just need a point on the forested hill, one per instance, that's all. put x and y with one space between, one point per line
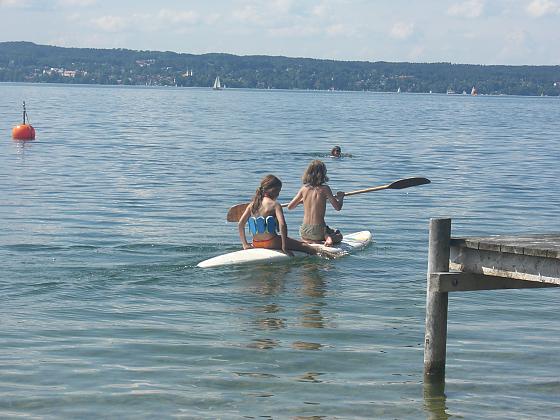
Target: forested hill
29 62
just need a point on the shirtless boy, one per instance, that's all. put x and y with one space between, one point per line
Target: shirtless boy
314 195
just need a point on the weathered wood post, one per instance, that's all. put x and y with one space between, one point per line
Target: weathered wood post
436 302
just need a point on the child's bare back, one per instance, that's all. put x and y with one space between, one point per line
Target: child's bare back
314 195
314 203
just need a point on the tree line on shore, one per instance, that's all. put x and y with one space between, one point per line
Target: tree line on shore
29 62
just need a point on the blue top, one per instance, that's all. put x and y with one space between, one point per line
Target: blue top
263 225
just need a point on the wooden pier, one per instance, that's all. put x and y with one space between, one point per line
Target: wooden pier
488 263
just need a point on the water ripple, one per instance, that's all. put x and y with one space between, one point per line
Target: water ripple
105 216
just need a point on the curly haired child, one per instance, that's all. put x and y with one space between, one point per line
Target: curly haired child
314 195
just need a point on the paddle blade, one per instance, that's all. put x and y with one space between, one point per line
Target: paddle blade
408 182
235 212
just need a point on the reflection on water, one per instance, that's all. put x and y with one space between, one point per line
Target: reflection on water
255 375
435 401
313 281
271 323
278 281
309 417
310 377
272 281
263 344
303 345
21 146
313 286
101 230
312 318
268 280
270 308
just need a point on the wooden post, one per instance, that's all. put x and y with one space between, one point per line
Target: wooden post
436 303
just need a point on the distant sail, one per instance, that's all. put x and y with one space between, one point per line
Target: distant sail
217 84
473 91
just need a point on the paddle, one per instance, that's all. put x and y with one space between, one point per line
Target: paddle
235 212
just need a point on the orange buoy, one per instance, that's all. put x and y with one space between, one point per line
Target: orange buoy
23 131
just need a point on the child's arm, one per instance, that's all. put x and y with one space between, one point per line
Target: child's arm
297 200
241 227
283 229
337 201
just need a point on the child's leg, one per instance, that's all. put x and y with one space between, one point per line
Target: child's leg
332 237
295 245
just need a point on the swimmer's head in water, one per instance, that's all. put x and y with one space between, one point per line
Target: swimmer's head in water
335 151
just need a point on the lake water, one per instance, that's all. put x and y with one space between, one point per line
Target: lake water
104 217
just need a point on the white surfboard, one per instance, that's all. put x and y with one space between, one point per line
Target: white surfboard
350 243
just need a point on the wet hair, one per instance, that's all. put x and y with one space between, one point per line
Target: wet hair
269 185
315 174
335 149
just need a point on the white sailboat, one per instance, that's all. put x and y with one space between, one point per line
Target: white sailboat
217 84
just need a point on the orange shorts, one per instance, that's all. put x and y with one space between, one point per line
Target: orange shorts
267 243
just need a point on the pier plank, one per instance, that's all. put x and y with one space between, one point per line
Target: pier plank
540 245
467 282
528 257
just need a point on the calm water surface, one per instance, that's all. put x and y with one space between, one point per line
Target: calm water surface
104 217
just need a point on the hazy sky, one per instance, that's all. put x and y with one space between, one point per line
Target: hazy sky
457 31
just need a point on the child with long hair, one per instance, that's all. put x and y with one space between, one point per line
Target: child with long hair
314 195
266 218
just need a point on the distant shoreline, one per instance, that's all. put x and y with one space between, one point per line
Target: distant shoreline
29 62
326 91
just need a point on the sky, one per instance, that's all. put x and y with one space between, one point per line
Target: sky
513 32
